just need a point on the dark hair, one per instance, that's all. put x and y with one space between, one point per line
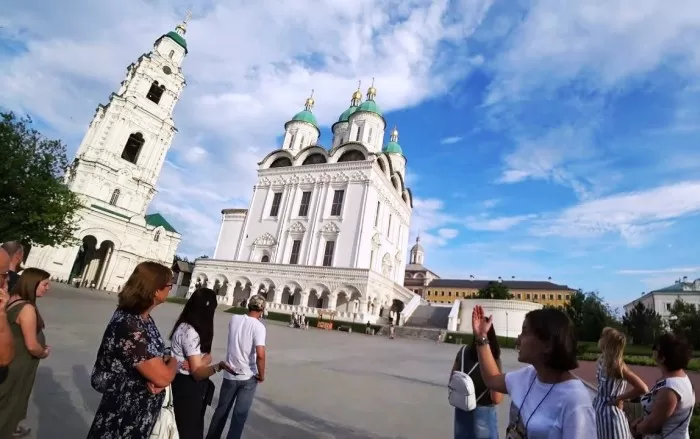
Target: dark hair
674 351
493 344
555 328
140 289
199 313
12 247
26 287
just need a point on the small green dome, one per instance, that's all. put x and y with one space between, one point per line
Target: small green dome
347 113
370 106
393 148
179 39
306 116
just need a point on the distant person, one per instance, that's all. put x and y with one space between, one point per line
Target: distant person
668 407
131 369
547 401
368 328
246 358
191 340
613 376
16 251
7 344
482 422
27 327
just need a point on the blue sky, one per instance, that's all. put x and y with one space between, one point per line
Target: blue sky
543 139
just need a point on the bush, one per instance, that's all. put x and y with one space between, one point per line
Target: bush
639 360
694 428
313 321
631 350
180 300
464 338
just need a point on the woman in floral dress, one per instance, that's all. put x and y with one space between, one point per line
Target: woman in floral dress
131 369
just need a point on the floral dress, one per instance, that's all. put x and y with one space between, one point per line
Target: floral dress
127 409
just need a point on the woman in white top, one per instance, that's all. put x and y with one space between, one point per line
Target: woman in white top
668 407
547 401
191 340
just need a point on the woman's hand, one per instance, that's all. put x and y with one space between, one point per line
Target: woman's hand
153 388
224 366
480 323
47 352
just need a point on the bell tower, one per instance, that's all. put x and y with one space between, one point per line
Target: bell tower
122 153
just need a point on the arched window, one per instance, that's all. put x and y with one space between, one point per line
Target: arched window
156 237
381 165
369 137
132 149
357 138
170 55
281 162
301 144
155 92
115 197
352 156
265 258
314 159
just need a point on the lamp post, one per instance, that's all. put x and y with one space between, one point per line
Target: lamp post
507 334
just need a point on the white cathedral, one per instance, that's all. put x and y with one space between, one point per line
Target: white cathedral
326 229
115 171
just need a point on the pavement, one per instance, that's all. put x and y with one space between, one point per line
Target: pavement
320 384
649 374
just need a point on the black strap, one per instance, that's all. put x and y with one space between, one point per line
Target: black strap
692 407
522 404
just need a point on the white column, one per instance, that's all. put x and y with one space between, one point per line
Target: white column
317 194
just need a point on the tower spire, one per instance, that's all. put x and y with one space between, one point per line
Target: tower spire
395 138
309 104
181 28
371 91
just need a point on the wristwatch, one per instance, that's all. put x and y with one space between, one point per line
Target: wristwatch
481 341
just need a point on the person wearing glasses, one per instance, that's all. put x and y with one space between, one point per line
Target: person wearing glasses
132 368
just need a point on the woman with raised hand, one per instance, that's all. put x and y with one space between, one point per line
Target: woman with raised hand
547 401
613 376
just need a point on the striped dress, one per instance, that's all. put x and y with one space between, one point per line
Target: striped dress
611 422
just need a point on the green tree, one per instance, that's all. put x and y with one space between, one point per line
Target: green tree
494 290
38 208
590 315
180 258
685 320
203 257
642 324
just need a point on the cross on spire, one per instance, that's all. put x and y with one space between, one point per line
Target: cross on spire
188 15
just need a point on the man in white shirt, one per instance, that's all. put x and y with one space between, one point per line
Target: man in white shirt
246 358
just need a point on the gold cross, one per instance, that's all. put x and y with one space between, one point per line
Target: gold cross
359 84
188 15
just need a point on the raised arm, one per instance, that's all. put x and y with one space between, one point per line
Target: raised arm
493 378
639 387
497 397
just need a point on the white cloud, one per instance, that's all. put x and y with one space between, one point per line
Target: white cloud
671 270
240 90
448 233
429 220
631 215
488 204
497 224
451 140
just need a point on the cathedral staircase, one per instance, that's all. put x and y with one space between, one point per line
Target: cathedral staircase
429 317
430 334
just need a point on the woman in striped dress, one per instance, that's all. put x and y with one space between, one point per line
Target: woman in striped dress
613 376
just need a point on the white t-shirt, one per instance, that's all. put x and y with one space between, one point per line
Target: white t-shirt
185 343
565 411
245 333
676 427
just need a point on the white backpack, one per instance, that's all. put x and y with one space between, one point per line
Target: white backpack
461 393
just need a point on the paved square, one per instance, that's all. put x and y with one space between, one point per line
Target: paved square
320 384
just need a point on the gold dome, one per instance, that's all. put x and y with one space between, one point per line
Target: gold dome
357 94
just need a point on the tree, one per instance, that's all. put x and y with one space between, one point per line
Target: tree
643 324
38 208
203 257
494 290
685 320
180 258
590 315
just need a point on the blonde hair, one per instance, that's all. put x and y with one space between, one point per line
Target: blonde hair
612 346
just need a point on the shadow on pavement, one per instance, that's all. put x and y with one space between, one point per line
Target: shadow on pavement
91 398
299 425
56 411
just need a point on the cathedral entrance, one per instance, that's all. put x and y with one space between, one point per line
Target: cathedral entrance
91 264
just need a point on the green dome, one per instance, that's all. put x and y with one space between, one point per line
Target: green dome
393 148
179 39
306 116
370 106
346 114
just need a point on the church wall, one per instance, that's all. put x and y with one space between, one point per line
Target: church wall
229 235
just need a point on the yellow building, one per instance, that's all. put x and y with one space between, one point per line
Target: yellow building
544 292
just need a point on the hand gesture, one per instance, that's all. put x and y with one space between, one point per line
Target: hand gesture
153 388
480 323
224 366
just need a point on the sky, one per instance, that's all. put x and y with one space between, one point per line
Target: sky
544 138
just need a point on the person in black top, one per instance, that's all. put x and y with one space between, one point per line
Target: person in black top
482 422
16 252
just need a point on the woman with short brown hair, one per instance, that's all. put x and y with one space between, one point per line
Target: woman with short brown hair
131 369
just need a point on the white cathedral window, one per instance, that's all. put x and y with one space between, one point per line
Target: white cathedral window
156 237
357 138
115 197
170 55
369 137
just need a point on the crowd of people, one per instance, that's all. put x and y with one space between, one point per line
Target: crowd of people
152 388
549 402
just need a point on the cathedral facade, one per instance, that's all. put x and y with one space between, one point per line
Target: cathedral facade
115 172
326 228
